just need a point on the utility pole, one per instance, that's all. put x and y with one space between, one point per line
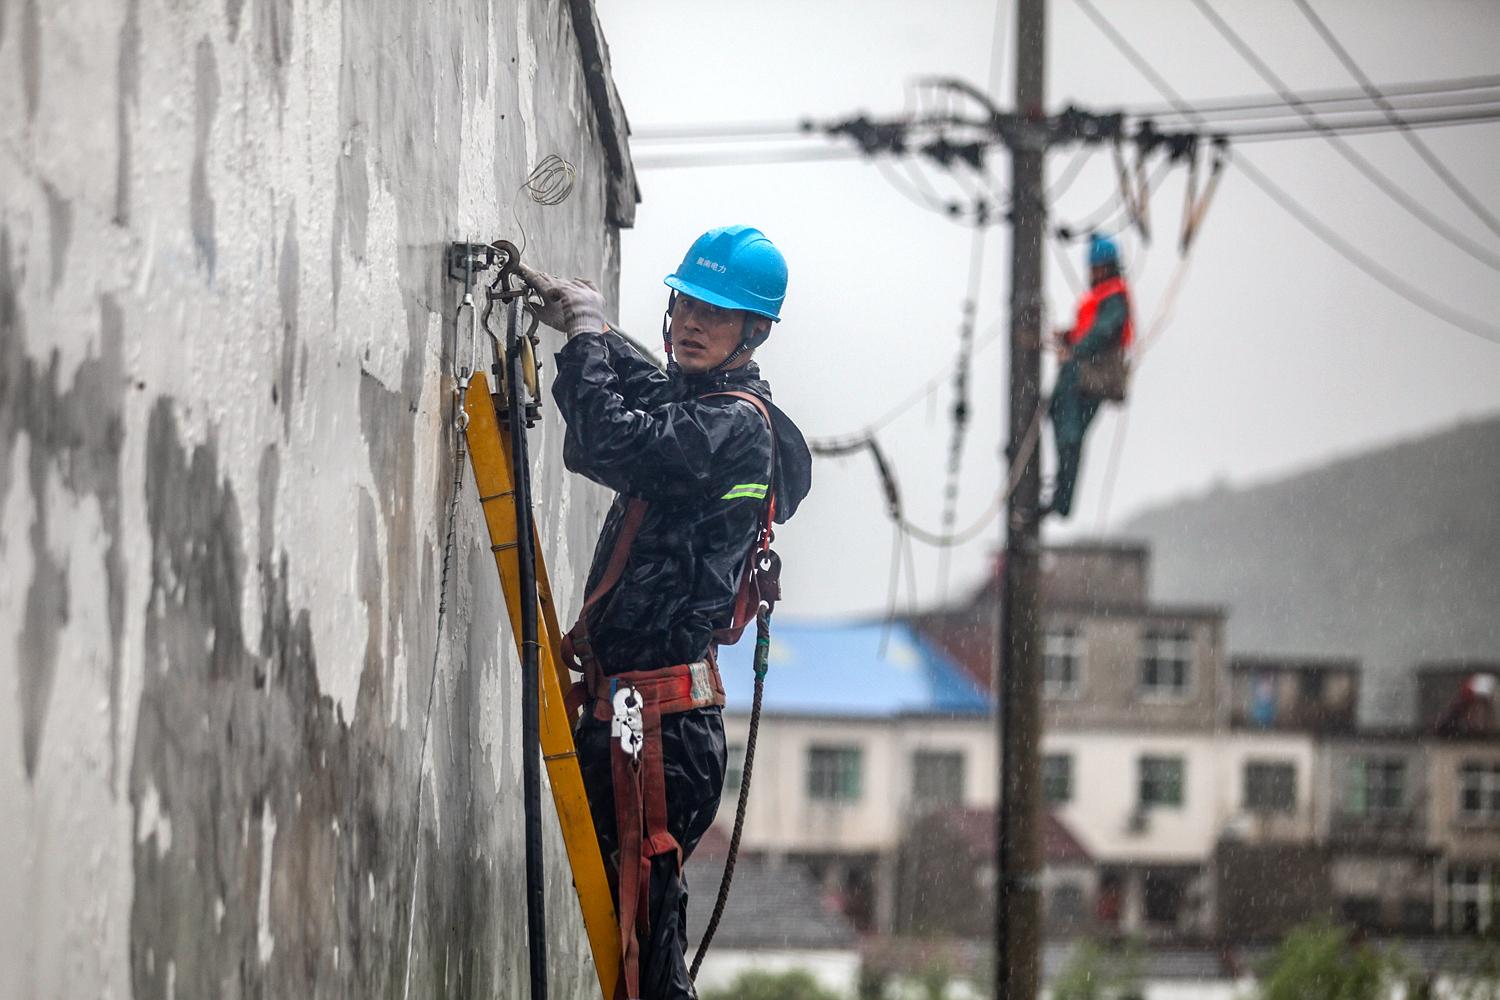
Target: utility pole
1017 902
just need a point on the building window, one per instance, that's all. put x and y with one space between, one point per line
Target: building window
1377 785
833 774
1165 893
1310 686
1166 663
734 771
1161 781
1062 662
1473 897
1270 786
1057 778
937 777
1479 791
1067 906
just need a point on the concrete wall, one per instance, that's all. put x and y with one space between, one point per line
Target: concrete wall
782 818
1460 837
1109 693
1106 792
225 456
1235 751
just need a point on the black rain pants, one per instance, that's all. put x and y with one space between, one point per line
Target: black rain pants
694 757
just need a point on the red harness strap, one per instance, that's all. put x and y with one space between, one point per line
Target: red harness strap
640 783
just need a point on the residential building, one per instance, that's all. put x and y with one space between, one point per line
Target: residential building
1177 782
864 726
1381 863
1463 768
1315 694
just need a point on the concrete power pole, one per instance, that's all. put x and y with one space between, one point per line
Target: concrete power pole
1018 905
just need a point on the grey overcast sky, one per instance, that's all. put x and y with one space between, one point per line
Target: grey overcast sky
1280 354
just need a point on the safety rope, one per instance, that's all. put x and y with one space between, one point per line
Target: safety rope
460 421
762 658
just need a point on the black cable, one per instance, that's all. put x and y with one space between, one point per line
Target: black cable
960 411
1108 216
1295 208
531 752
1415 141
1393 190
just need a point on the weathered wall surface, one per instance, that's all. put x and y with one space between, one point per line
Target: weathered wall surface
226 452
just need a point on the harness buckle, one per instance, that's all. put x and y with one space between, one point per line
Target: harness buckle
628 724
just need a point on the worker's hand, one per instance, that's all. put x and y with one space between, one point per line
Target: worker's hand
1064 353
571 305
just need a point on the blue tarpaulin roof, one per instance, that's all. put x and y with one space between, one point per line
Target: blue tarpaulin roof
833 668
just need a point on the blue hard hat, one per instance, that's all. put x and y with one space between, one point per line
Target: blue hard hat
734 267
1102 250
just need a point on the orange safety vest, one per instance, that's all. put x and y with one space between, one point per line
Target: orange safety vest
1088 307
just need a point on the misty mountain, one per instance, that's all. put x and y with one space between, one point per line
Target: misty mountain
1391 555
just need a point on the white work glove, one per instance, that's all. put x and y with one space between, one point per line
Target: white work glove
571 305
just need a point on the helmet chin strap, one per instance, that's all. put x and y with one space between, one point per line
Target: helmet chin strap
747 333
666 335
748 342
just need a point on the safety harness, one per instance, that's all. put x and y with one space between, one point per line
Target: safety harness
635 702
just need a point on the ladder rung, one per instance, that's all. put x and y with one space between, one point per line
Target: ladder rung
503 546
549 757
497 496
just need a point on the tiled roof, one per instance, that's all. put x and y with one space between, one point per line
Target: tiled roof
772 904
976 828
851 669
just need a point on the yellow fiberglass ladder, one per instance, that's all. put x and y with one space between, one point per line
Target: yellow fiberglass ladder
491 429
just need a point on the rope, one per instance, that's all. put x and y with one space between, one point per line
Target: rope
973 531
448 547
762 656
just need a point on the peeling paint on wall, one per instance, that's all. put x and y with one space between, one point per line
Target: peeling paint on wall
240 754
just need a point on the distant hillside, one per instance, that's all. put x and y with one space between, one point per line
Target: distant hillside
1392 555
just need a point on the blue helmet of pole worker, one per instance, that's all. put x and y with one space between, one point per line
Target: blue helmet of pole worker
734 267
1102 251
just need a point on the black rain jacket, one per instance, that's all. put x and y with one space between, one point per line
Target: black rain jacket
696 462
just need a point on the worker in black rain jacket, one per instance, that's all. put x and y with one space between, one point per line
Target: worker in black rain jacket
701 463
1093 367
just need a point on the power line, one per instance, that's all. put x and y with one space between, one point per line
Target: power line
1417 95
1422 94
670 161
1272 132
1296 209
1365 126
1358 161
1415 141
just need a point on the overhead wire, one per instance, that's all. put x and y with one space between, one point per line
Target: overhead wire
1209 108
1361 163
1292 206
960 409
1416 95
1370 125
1383 102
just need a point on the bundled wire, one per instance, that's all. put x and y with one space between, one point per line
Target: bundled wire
550 181
960 411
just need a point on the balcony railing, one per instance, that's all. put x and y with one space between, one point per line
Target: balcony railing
1403 827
